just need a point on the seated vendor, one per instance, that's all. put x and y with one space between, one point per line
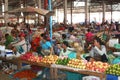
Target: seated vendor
8 40
66 51
98 50
46 46
21 45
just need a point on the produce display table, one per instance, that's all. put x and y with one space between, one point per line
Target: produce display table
39 64
13 60
86 72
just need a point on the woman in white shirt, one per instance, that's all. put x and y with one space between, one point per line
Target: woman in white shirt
21 45
66 51
98 51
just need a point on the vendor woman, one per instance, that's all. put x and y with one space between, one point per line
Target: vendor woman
98 50
66 51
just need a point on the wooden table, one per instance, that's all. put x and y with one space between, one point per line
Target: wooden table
19 62
41 65
13 60
86 72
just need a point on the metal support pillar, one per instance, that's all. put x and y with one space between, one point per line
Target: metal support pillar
111 12
71 12
39 6
18 18
25 16
50 19
6 14
89 14
86 12
45 18
65 12
56 14
104 10
45 4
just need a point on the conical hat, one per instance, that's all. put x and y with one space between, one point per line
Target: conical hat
102 36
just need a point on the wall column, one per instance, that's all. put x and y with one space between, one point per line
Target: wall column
65 12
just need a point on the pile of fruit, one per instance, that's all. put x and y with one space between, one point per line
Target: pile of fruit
26 56
114 70
30 57
51 59
76 63
97 66
35 58
63 61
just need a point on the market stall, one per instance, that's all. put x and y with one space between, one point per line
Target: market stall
54 64
80 71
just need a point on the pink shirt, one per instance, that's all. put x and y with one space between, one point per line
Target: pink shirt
89 36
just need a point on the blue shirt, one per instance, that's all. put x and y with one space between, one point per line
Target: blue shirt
46 45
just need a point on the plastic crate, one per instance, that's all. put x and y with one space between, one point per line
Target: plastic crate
74 76
111 77
119 78
90 78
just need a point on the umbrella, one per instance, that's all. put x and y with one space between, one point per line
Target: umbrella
30 9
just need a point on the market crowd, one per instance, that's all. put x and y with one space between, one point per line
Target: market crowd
88 42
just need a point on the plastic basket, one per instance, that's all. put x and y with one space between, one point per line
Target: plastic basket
111 77
117 46
90 78
74 76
